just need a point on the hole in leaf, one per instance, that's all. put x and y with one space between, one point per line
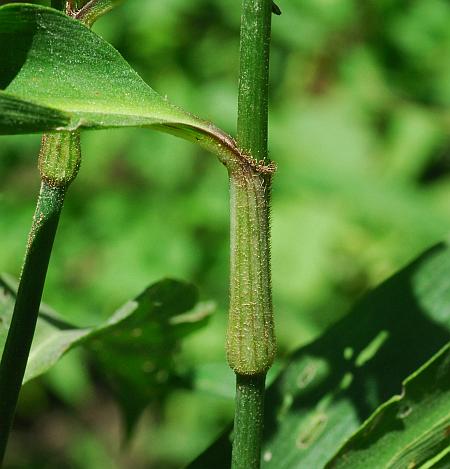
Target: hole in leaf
372 348
312 430
404 411
307 375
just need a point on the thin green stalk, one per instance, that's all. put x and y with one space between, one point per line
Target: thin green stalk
251 339
93 9
253 98
58 163
249 421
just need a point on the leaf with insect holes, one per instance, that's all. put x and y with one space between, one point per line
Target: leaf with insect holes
331 386
57 74
133 350
411 429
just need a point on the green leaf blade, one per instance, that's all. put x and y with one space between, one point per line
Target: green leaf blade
81 73
56 62
19 116
408 430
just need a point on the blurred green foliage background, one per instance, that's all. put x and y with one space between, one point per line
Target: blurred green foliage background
359 127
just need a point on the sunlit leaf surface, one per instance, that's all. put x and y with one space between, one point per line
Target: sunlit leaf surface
61 75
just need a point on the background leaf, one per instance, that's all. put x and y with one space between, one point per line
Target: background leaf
133 349
410 429
333 384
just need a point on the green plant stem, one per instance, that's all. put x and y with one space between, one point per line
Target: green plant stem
248 424
94 9
21 331
251 340
249 421
254 77
58 163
